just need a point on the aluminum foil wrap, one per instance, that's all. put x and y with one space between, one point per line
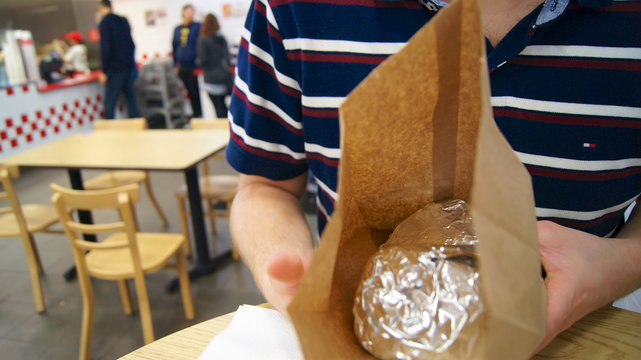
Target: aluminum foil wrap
415 301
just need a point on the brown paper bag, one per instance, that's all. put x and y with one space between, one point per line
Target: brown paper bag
418 130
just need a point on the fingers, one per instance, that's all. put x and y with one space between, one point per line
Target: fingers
286 271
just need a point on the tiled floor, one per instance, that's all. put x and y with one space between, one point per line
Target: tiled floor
25 334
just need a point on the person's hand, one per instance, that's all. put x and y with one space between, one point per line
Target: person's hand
583 273
176 71
102 78
285 271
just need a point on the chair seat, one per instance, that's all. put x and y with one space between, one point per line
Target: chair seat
38 218
112 179
155 251
214 186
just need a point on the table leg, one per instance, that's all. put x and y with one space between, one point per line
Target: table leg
205 265
197 221
75 178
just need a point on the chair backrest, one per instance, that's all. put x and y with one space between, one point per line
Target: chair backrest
122 124
210 124
120 198
7 174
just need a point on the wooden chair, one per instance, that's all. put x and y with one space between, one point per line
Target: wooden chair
125 254
22 222
213 188
117 178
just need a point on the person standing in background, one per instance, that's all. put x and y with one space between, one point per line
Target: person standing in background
118 66
213 55
75 57
184 53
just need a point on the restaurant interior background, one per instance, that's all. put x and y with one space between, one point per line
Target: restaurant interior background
152 21
36 111
32 114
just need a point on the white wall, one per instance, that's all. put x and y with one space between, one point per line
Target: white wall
154 40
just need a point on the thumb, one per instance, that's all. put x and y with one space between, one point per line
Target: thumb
286 271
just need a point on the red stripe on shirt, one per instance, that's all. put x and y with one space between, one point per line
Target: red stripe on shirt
320 113
324 159
262 153
578 63
264 112
264 66
337 58
258 6
268 68
583 175
274 33
578 224
566 119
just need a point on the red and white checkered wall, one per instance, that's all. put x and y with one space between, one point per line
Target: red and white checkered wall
29 118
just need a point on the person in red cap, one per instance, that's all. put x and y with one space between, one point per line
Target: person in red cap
76 57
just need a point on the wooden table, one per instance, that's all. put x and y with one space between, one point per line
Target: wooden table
178 150
609 333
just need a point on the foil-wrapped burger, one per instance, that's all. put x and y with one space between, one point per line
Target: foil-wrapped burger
420 292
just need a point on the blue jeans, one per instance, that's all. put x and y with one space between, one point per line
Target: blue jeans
120 82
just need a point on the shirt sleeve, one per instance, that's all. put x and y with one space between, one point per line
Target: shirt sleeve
265 112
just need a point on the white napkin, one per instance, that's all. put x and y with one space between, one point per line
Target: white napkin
255 333
631 302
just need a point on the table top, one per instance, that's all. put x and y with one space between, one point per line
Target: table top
609 333
143 150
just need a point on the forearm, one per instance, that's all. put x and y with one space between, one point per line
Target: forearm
266 220
629 249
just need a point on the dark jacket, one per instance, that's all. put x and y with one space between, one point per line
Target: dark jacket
184 44
116 45
213 56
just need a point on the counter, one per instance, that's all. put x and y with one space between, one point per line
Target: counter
31 116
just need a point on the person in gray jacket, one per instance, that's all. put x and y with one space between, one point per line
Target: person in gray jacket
213 55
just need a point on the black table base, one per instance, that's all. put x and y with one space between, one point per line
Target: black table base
202 270
205 265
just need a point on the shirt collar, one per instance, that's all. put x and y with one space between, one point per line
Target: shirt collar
552 9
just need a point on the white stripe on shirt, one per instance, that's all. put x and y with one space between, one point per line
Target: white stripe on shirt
321 208
327 190
578 165
581 215
270 14
266 104
322 101
583 51
268 59
263 145
330 153
353 47
566 108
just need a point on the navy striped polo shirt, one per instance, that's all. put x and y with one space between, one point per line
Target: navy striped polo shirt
566 92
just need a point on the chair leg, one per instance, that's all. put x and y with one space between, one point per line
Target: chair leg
145 311
183 223
35 269
185 285
125 296
155 202
88 301
37 255
211 214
